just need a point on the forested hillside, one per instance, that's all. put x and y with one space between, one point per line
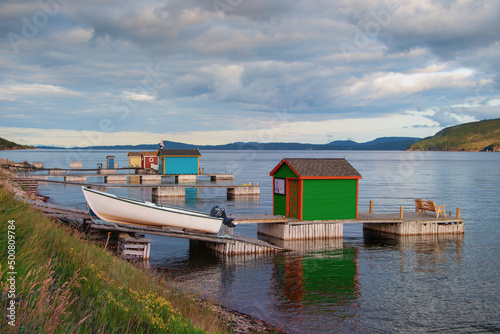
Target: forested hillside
10 145
476 136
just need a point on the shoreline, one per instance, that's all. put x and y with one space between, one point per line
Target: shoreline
239 322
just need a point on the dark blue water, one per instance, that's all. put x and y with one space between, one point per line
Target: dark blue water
362 283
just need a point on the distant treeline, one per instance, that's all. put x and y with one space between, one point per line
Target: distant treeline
476 136
385 143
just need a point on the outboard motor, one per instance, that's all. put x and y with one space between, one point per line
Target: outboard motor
221 213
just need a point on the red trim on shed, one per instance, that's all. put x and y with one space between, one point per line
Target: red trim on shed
330 177
357 197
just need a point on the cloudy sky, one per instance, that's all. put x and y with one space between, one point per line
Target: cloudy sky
106 72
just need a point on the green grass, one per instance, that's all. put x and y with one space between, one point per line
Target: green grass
65 284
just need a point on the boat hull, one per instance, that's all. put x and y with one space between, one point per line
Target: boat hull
123 210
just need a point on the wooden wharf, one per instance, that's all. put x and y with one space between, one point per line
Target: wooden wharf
30 185
223 243
269 227
59 211
168 190
220 243
139 172
400 223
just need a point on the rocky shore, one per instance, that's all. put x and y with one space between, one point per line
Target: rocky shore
242 323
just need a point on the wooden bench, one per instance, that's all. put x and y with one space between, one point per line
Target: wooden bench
424 206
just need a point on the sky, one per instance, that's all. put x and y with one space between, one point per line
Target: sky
110 72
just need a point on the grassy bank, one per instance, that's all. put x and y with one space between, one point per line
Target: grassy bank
64 284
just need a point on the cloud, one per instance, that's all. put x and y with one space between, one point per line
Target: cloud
446 27
281 127
14 92
176 66
388 84
137 97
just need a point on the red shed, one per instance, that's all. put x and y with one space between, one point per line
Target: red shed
149 160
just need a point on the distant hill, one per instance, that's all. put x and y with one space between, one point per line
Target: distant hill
381 144
10 145
475 136
385 143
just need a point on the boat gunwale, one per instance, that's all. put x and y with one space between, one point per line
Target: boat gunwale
156 207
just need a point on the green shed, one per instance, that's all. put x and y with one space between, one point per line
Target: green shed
315 189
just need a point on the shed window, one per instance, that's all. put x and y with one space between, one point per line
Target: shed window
279 186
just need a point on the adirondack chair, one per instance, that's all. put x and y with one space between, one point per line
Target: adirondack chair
424 206
436 208
420 206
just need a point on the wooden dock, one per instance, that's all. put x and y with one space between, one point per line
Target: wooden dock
59 211
279 228
408 223
30 185
221 243
168 190
412 223
93 172
225 244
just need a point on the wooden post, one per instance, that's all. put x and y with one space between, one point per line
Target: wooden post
107 240
458 212
371 206
401 211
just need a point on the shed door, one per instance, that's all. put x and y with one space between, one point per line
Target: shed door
292 198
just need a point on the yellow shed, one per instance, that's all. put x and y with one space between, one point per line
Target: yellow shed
134 159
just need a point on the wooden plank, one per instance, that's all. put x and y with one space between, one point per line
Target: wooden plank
133 252
133 246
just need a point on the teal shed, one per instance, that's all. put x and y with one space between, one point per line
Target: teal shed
315 189
178 161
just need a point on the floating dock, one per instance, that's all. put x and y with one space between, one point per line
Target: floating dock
398 223
410 223
225 243
161 189
279 230
141 172
30 185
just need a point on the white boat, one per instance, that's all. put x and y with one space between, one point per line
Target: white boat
123 210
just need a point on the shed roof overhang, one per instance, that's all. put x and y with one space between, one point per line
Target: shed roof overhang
319 169
179 153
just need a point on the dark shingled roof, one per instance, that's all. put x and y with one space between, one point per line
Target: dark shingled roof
149 153
322 167
134 154
187 152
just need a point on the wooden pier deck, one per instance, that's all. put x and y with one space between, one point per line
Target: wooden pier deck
278 227
59 211
408 223
222 243
166 189
93 172
363 218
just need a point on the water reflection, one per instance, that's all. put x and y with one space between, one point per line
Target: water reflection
322 283
423 253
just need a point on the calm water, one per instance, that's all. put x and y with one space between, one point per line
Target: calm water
363 283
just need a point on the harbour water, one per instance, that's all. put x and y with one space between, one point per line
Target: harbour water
361 283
